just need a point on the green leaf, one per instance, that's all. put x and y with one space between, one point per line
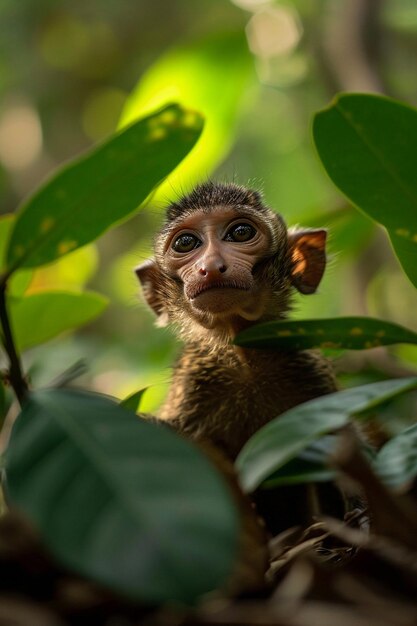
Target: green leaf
21 280
350 333
122 501
396 462
69 272
3 404
212 76
367 145
308 466
6 224
101 188
285 437
312 464
41 316
132 402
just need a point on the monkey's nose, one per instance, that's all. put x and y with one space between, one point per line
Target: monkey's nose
211 269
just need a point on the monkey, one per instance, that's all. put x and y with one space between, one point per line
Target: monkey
224 261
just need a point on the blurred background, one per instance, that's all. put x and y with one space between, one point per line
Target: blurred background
72 72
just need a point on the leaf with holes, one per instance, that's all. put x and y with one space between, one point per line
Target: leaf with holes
101 188
127 503
285 437
367 145
349 333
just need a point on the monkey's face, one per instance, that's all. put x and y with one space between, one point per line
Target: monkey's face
213 255
224 259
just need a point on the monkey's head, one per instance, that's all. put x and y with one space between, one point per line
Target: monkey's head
224 260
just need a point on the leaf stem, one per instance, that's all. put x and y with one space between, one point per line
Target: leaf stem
16 377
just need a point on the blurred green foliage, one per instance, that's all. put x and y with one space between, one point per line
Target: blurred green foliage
67 71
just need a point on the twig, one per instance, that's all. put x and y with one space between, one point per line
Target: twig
16 377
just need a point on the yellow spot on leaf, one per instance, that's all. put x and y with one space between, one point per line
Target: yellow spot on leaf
319 331
414 238
372 344
190 119
355 332
66 246
330 344
402 232
157 133
301 331
47 224
168 118
284 333
380 333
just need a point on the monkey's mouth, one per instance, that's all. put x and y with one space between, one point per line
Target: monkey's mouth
197 290
220 297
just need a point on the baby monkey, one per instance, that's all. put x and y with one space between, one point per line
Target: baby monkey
223 262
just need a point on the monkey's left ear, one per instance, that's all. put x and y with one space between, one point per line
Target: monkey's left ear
308 255
149 277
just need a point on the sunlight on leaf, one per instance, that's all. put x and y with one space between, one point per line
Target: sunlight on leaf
72 271
211 76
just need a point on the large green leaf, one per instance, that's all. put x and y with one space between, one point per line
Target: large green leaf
211 75
125 502
351 333
102 188
283 439
41 316
396 462
367 145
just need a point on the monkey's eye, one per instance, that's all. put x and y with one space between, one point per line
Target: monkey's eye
240 233
185 243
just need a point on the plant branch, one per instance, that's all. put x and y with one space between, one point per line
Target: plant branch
16 377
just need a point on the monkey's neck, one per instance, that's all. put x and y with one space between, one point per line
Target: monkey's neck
219 337
215 335
237 326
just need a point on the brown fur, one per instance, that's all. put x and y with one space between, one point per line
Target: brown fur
215 396
222 394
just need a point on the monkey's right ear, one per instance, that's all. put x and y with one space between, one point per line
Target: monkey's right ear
150 278
308 255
